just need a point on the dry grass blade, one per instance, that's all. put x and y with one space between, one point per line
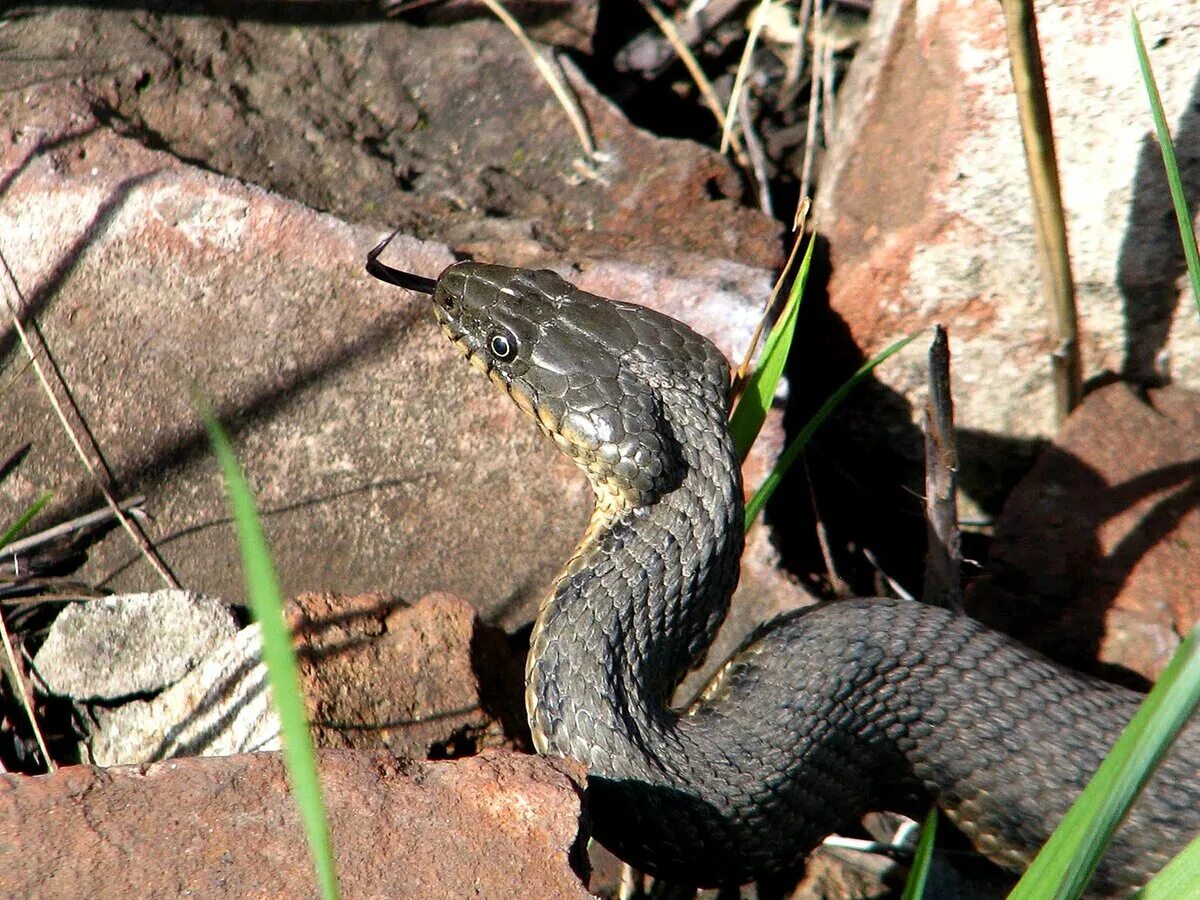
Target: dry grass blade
743 71
565 98
24 545
139 539
758 156
707 92
818 77
795 62
21 689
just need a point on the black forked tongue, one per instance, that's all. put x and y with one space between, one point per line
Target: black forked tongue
407 280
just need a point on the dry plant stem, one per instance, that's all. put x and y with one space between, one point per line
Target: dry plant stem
135 533
828 110
690 27
85 521
743 72
1050 227
707 93
20 688
814 107
565 98
943 559
836 582
795 62
758 157
885 580
743 371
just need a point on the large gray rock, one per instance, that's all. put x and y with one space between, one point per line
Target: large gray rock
131 644
378 458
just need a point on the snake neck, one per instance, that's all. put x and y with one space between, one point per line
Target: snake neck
639 604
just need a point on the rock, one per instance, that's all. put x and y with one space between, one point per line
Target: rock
221 707
129 644
1097 553
449 133
496 825
422 680
379 460
926 207
834 872
570 24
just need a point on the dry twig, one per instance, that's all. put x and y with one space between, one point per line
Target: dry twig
556 84
943 559
21 689
1050 227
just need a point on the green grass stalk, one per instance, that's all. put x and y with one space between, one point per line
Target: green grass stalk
266 604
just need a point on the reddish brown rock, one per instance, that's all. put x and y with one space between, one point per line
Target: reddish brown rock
380 461
1097 553
423 680
450 133
495 825
925 203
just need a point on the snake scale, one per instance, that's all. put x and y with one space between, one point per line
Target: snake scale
824 714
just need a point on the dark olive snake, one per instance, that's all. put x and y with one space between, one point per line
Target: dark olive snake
824 714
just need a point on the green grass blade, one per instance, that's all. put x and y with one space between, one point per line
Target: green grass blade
914 887
1178 877
266 603
16 528
771 482
1186 234
752 408
1064 866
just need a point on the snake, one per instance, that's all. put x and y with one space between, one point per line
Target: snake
823 714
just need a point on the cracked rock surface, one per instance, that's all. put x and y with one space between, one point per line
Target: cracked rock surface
488 826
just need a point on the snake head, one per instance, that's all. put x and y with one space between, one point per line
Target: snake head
564 357
590 372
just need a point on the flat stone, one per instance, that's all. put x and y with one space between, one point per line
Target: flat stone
129 644
1097 552
221 707
447 132
379 460
495 825
423 680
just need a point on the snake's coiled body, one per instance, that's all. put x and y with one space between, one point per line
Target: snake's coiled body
824 714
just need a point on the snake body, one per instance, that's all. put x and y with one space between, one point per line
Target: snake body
824 714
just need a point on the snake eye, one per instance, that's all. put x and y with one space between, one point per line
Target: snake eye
502 346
